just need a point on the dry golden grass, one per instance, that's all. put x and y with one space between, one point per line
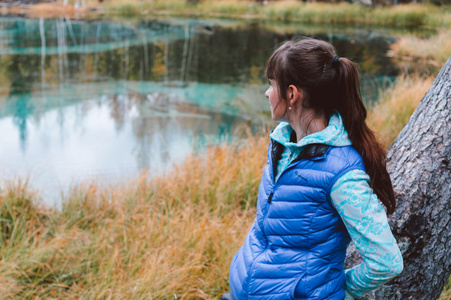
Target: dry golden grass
446 294
48 10
174 235
416 15
396 105
422 54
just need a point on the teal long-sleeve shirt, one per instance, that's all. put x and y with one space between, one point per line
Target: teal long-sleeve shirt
359 208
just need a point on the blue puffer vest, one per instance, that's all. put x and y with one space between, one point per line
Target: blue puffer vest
298 241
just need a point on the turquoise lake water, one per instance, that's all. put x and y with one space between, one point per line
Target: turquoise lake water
102 100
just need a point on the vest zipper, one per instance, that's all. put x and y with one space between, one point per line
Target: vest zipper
270 197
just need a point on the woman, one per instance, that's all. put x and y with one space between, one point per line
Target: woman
321 187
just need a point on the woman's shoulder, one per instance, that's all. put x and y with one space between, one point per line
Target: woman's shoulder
345 157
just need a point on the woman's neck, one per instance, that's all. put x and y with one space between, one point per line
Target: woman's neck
307 123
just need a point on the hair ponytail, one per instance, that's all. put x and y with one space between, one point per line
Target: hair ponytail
332 84
353 113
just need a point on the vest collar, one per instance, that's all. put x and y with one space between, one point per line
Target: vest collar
311 151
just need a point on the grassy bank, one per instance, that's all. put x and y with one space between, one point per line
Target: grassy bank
396 105
413 15
289 11
422 55
169 238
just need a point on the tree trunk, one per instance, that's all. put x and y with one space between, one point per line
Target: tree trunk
419 164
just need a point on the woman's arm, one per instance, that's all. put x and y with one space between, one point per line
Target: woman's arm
367 224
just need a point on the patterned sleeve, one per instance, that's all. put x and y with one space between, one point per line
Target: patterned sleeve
367 224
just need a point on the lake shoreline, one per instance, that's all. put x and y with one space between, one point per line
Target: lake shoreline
413 15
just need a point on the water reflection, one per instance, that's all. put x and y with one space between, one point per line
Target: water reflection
96 99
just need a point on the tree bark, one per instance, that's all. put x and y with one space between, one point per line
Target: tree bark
419 164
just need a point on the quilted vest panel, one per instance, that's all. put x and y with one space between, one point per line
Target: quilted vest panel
297 244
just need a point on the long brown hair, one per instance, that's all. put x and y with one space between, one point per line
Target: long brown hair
333 85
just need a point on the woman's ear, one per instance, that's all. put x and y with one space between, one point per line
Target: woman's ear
295 95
